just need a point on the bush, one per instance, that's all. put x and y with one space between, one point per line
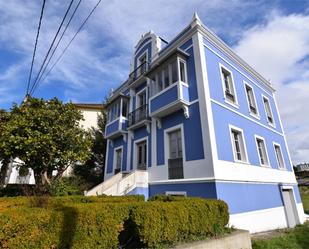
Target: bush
106 222
65 186
16 190
164 222
68 226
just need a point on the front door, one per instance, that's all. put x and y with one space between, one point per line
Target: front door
141 155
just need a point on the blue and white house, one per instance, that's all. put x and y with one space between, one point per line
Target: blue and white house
195 119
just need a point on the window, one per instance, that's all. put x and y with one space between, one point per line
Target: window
142 98
173 66
142 63
118 160
228 85
260 143
182 71
114 111
268 111
251 100
141 155
168 74
166 77
175 161
175 144
279 156
125 107
238 145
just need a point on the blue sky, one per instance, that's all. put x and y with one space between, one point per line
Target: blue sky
272 36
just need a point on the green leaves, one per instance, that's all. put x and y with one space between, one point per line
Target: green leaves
45 135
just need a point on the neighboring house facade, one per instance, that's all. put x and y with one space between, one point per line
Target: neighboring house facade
194 119
303 167
90 112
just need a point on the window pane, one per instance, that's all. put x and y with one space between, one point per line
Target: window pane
182 71
175 144
160 82
174 71
251 100
166 77
228 84
268 110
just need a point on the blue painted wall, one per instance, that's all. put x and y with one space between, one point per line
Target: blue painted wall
164 99
140 191
192 132
253 196
204 189
112 127
223 117
216 89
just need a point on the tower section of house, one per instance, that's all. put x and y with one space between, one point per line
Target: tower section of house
194 119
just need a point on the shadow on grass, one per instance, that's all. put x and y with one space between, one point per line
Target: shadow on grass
68 227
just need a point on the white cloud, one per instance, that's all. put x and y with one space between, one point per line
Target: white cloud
279 50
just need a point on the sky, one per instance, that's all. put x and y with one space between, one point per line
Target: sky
272 36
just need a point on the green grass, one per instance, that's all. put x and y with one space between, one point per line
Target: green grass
297 238
304 191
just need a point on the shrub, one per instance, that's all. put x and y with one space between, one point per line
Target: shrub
65 226
104 222
160 222
65 186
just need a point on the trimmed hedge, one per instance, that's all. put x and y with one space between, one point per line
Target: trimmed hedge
104 222
162 222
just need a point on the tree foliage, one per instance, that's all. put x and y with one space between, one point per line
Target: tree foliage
92 171
45 136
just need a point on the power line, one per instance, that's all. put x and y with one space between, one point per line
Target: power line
35 45
52 44
65 49
54 50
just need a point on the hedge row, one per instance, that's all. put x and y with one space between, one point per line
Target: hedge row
163 222
105 224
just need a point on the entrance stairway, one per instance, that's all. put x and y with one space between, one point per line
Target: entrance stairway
121 184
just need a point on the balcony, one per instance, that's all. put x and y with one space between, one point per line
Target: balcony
171 99
139 72
116 128
138 117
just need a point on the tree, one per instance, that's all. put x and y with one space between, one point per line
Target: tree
46 137
4 159
92 171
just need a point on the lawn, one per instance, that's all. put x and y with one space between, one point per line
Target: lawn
297 238
305 198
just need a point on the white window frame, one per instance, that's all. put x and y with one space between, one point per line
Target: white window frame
185 68
137 97
266 151
235 103
256 115
244 153
115 155
135 152
139 57
167 142
271 111
283 162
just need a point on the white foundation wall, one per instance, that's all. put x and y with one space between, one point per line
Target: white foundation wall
261 220
264 220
